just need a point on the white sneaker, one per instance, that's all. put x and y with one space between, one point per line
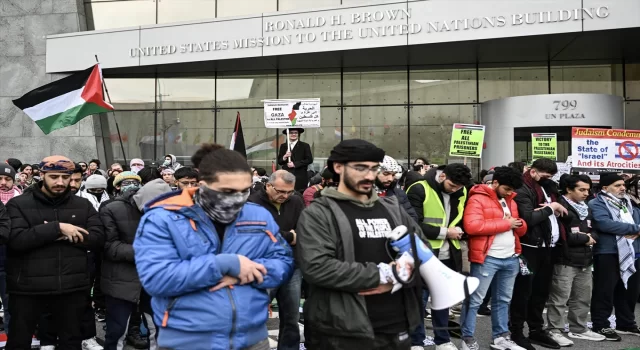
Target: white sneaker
560 339
472 346
505 343
447 346
416 347
91 344
588 335
48 347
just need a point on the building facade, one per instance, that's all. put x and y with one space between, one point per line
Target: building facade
397 73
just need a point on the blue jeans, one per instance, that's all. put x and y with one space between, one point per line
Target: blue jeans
288 297
503 273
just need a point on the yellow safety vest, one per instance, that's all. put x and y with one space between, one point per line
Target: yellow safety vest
433 212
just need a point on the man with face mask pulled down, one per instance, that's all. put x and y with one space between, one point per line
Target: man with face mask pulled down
343 255
51 232
537 206
207 258
616 265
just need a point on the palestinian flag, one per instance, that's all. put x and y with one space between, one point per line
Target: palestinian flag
65 102
237 138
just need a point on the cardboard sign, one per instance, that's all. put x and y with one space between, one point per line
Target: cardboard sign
467 140
544 146
303 113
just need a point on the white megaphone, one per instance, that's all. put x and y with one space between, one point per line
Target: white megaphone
446 287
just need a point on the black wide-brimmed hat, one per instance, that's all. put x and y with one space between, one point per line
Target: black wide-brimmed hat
299 130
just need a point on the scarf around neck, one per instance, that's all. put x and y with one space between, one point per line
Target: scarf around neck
626 251
581 207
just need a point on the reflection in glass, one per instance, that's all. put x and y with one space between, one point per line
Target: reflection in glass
130 94
228 8
632 73
261 143
136 130
512 81
183 131
443 86
243 91
632 115
176 93
119 14
598 79
170 11
286 5
385 126
375 88
325 86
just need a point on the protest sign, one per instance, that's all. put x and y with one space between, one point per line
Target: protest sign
544 146
467 140
301 113
614 149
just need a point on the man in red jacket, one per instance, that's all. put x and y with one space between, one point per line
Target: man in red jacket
491 220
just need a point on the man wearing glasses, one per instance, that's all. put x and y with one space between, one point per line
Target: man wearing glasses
343 256
186 177
439 201
297 158
279 199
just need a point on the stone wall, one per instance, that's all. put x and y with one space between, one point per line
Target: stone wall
24 24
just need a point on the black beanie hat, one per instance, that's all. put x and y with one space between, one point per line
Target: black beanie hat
606 179
354 150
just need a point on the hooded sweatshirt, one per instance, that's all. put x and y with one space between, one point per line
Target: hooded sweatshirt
174 163
150 191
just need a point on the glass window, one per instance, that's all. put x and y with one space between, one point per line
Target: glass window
183 131
384 126
503 82
632 115
131 94
375 88
442 86
362 2
228 8
136 130
323 139
632 72
286 5
325 86
178 93
431 129
185 10
599 79
245 90
118 14
261 143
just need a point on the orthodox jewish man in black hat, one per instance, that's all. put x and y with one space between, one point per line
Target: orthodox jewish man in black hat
297 158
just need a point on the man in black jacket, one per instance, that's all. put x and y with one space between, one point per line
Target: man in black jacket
120 281
387 185
51 232
279 199
538 208
297 158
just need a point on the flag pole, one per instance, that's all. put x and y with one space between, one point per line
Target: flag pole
124 156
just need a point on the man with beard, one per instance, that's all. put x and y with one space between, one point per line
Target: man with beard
51 232
297 158
538 208
279 199
76 179
616 265
8 189
386 185
439 201
342 253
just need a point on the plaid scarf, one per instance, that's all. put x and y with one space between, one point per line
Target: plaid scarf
626 253
6 196
582 208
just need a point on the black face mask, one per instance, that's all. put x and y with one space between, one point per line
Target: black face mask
546 183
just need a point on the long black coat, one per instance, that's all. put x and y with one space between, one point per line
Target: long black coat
37 262
119 275
301 157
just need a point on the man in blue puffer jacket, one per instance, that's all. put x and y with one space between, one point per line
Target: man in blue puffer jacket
207 259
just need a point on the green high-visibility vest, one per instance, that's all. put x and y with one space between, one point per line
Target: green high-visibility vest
434 215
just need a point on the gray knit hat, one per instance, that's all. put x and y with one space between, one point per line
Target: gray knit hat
95 181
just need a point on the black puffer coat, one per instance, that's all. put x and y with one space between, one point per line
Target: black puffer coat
571 249
39 264
119 276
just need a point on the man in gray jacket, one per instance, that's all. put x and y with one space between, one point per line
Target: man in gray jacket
343 256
